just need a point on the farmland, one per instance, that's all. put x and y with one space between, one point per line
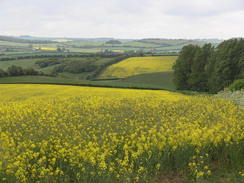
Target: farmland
48 69
121 91
164 79
144 72
139 65
97 45
46 48
73 134
104 115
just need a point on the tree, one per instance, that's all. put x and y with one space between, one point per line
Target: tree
3 73
60 48
182 66
113 42
31 71
198 78
15 71
228 64
209 69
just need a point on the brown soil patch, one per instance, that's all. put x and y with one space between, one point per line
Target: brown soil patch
169 178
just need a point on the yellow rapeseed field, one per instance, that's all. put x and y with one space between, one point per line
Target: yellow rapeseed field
46 48
139 65
64 134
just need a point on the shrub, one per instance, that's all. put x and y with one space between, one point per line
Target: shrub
3 73
15 71
47 63
237 85
75 67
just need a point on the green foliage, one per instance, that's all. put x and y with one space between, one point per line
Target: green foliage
157 79
19 40
3 73
48 62
31 71
237 85
45 54
18 71
15 71
198 77
189 69
208 69
113 42
228 64
75 67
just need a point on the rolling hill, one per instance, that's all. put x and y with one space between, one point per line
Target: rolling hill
99 44
139 65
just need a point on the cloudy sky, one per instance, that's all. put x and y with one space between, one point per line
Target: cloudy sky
123 18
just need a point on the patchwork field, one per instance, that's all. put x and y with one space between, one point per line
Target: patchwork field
73 134
139 65
46 48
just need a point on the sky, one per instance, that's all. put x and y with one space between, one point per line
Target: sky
190 19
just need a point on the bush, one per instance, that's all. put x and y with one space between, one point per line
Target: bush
237 85
113 42
47 63
15 71
75 67
19 71
31 71
3 73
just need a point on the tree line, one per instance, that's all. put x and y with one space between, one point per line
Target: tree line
55 54
18 71
20 40
209 68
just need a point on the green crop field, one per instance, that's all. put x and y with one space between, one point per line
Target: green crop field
69 79
157 79
25 63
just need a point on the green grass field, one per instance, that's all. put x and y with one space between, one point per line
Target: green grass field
157 79
25 63
74 81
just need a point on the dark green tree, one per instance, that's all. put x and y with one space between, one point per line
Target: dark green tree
209 69
198 78
183 66
15 71
227 64
3 73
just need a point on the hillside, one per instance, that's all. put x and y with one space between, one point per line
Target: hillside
139 65
98 44
20 40
157 79
87 134
138 72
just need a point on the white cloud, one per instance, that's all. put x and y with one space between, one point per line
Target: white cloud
123 18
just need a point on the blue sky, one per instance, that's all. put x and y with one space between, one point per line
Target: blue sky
123 18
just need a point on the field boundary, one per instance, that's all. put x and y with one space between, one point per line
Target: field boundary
185 92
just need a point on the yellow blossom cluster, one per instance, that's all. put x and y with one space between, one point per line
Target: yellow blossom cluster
199 166
82 134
